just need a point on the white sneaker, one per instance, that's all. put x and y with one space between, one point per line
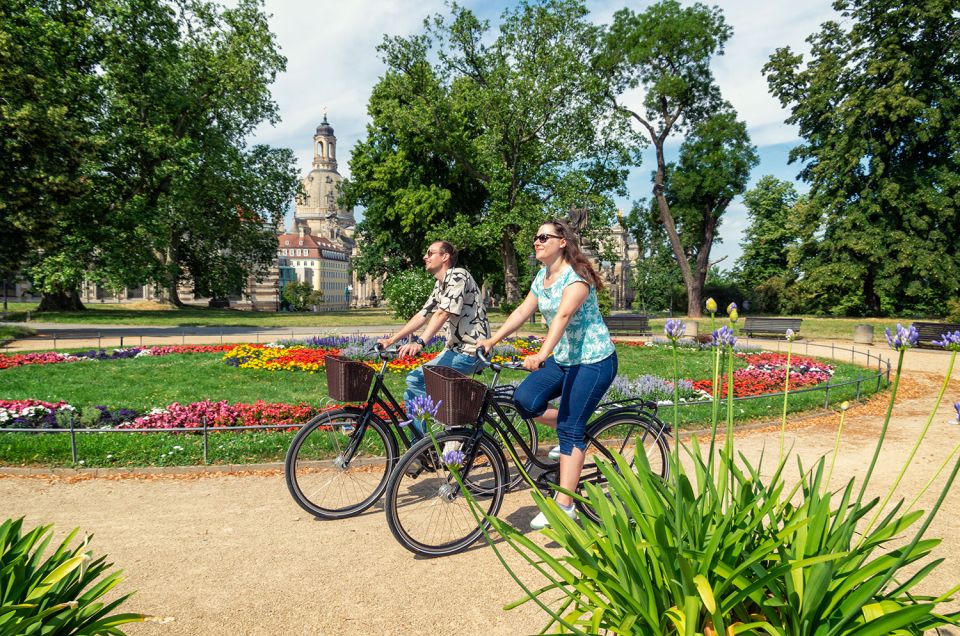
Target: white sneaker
554 453
540 521
451 446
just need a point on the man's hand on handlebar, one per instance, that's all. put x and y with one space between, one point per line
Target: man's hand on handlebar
410 350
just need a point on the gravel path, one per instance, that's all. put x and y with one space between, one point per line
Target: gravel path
232 554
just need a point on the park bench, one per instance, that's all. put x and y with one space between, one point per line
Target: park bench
771 326
930 331
628 325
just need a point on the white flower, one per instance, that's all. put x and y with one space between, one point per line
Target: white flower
178 448
145 352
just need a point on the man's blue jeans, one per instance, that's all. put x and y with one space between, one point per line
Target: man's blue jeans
461 362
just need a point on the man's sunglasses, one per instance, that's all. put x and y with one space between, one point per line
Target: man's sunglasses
543 238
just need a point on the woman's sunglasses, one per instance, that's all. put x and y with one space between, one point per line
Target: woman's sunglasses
543 238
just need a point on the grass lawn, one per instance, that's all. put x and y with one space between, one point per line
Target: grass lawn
195 317
145 383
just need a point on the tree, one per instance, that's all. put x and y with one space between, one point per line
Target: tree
186 88
512 131
300 295
665 51
878 108
50 99
407 291
124 131
715 162
771 231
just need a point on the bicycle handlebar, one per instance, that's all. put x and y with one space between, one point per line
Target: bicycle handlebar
497 366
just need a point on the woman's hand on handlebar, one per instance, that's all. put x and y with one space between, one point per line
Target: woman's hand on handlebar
533 362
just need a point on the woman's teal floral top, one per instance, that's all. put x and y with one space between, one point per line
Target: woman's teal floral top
586 339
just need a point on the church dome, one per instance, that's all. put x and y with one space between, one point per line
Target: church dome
325 128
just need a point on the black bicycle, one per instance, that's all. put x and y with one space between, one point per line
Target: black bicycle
427 511
338 463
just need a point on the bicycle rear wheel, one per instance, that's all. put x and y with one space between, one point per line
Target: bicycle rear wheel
426 509
335 468
627 434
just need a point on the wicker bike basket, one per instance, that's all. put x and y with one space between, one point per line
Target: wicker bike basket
460 397
348 380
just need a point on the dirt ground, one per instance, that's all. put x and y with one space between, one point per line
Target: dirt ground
233 554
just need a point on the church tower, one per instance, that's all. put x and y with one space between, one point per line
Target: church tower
317 212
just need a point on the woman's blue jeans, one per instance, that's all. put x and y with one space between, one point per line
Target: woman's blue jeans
580 388
461 362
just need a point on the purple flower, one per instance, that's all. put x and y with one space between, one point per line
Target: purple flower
904 339
950 341
724 337
956 407
453 458
674 329
421 406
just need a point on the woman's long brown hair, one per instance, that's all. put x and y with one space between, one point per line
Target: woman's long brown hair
575 256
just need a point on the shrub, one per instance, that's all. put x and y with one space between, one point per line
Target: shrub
953 311
57 595
407 291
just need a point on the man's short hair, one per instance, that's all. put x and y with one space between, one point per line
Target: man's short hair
448 248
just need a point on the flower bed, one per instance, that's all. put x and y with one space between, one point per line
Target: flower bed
8 361
38 414
766 373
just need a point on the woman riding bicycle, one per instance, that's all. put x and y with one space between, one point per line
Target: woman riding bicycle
584 361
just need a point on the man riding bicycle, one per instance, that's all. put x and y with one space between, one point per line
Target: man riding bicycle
456 306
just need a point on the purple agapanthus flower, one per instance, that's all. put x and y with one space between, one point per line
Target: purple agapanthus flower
674 329
421 406
904 338
950 341
453 458
956 420
724 337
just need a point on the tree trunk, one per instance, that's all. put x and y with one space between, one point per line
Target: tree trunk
693 290
61 301
511 273
173 275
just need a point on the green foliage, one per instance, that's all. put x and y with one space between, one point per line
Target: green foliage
124 160
407 291
60 594
874 103
953 309
771 232
605 301
478 136
300 295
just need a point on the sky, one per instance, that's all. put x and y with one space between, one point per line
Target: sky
332 66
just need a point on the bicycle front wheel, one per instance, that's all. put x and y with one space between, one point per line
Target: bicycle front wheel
528 433
628 434
427 511
335 467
